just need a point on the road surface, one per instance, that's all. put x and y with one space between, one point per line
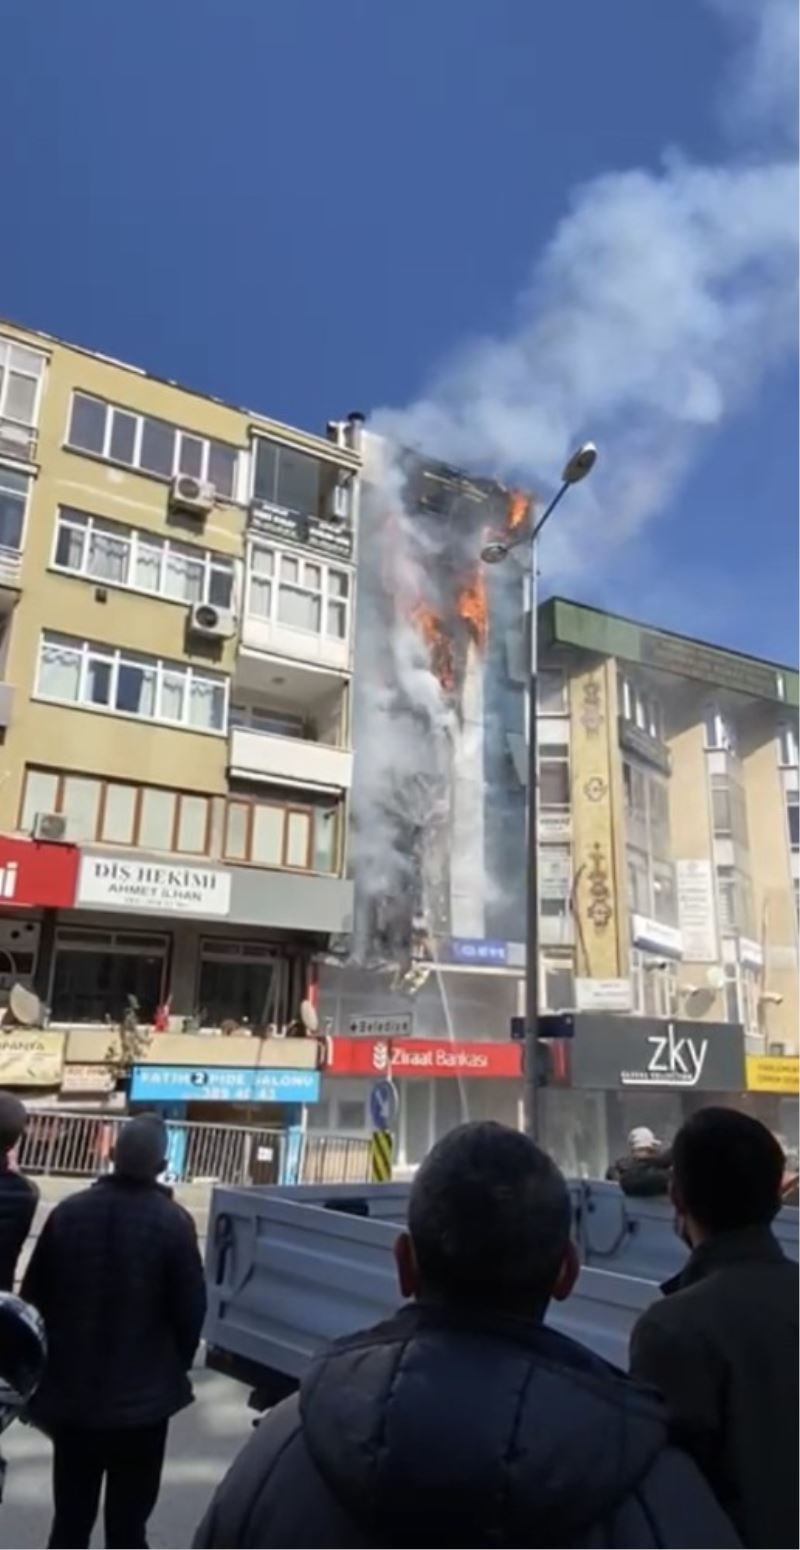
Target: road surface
203 1440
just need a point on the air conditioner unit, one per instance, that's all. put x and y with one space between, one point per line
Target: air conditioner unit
210 622
337 506
196 496
49 826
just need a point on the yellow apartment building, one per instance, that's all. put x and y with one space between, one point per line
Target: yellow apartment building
177 586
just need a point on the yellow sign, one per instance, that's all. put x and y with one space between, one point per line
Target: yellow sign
30 1058
382 1148
773 1074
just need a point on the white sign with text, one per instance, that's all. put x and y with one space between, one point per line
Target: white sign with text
145 886
695 880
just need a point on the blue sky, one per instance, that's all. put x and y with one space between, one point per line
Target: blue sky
308 207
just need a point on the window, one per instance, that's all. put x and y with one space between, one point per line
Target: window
14 492
719 731
287 834
125 557
558 982
665 898
299 594
787 743
154 446
258 718
285 477
793 818
96 972
551 692
638 881
555 879
741 996
729 809
640 708
635 784
654 986
116 813
553 775
21 374
735 896
105 677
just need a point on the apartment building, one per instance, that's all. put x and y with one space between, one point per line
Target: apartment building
177 593
669 862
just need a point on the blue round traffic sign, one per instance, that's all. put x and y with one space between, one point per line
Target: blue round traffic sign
383 1105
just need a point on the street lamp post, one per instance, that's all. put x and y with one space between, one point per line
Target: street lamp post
579 465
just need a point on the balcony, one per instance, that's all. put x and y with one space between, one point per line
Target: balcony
295 761
17 441
10 569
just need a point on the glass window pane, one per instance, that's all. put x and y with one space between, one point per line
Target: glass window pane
80 801
325 839
173 686
337 620
236 831
553 783
190 457
550 691
136 688
59 670
290 568
337 583
12 514
183 576
297 838
119 814
20 400
260 597
299 610
149 556
157 819
123 436
220 586
41 789
262 561
20 359
793 814
70 544
98 681
222 468
312 577
88 423
264 484
158 447
206 704
193 824
108 555
268 835
298 481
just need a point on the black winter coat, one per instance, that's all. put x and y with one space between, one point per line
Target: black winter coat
435 1429
642 1176
118 1279
723 1349
18 1201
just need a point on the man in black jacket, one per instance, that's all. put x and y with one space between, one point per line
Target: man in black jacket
18 1197
644 1170
723 1345
118 1277
463 1420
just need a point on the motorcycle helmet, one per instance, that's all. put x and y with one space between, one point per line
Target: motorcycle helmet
23 1351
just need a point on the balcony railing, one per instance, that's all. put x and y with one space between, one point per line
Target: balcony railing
264 756
18 440
10 567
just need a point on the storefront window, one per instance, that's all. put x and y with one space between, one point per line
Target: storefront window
96 972
234 988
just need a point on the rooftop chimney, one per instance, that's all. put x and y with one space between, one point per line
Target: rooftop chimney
355 430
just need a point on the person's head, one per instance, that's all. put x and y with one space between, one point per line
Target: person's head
642 1142
488 1224
141 1149
13 1119
727 1170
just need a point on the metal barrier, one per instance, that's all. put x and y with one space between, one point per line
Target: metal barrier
75 1145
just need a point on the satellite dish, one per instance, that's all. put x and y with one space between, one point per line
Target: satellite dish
309 1017
26 1008
716 977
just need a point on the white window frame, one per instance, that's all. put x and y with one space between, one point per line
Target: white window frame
718 733
21 473
211 559
117 657
662 975
7 345
745 982
791 799
326 568
788 745
552 960
135 466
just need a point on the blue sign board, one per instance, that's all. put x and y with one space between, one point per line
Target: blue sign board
383 1105
223 1084
478 950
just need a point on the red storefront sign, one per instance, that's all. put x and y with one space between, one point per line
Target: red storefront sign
34 873
424 1057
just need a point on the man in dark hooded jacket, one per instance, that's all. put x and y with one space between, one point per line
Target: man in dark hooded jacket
18 1197
463 1420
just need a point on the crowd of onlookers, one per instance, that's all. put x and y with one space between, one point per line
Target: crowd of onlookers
645 1169
464 1419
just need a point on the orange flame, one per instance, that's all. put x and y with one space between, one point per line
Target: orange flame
519 504
471 606
431 628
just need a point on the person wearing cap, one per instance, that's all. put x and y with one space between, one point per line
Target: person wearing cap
118 1279
18 1196
644 1170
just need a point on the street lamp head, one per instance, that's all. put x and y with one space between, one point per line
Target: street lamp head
580 464
495 551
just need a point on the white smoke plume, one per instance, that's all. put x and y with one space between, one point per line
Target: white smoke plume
661 300
658 305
